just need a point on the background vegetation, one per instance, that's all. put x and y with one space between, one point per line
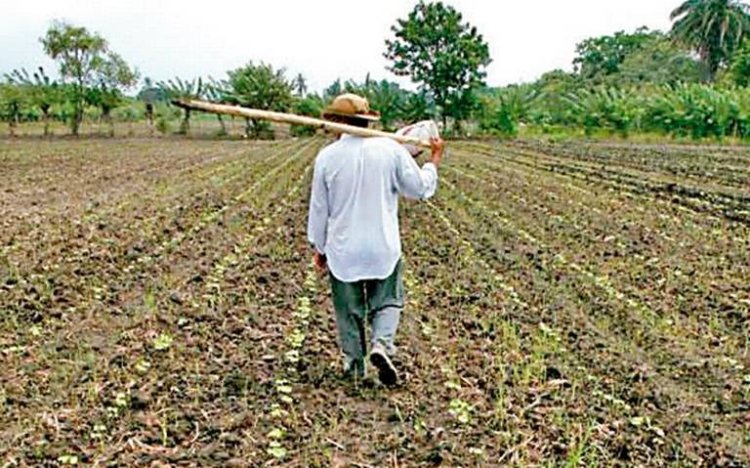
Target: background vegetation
688 82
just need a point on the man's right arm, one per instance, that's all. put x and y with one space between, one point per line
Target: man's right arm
415 182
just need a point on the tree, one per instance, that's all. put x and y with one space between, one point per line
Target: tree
659 61
179 89
259 87
335 89
79 54
112 77
444 55
12 100
552 108
598 57
713 28
299 83
42 91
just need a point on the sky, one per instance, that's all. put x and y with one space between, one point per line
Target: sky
322 39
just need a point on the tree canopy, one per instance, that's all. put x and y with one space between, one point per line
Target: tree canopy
713 28
443 54
79 54
260 86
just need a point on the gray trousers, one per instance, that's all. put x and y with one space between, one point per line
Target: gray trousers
378 302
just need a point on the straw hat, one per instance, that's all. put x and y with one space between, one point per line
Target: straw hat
351 105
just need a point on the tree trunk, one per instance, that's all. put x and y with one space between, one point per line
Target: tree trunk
77 118
185 126
107 116
150 118
78 111
223 127
248 128
45 118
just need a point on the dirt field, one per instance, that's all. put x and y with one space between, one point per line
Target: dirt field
570 304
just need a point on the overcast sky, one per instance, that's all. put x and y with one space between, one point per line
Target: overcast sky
322 39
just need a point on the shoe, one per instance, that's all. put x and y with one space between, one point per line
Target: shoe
386 371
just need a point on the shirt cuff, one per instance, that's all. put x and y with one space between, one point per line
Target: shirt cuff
430 166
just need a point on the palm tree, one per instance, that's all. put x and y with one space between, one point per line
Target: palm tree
299 83
714 28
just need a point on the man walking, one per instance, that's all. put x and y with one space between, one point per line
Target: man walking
353 227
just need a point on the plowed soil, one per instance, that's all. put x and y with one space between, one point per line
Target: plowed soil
569 304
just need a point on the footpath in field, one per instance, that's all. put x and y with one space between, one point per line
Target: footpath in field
570 304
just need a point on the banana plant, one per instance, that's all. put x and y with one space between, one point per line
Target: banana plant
504 109
696 110
178 89
12 99
610 108
42 91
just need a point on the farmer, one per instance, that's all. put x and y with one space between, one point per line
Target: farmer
353 227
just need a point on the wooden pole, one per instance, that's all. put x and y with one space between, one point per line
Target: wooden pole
295 120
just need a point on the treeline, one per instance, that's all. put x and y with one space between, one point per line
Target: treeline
692 81
261 86
693 110
95 81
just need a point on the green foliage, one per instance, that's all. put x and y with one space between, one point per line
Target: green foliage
151 93
682 110
416 107
698 111
311 106
260 87
179 89
503 109
599 57
444 55
739 70
715 29
12 99
659 61
551 107
396 105
41 90
79 54
641 57
384 96
112 78
605 108
333 90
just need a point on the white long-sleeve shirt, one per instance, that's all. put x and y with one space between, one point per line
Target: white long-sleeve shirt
353 217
